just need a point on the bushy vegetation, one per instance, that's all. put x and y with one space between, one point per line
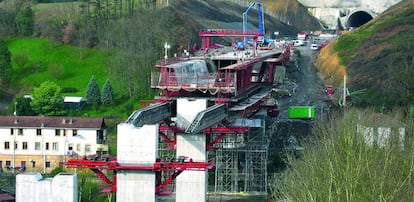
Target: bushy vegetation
5 62
340 163
47 100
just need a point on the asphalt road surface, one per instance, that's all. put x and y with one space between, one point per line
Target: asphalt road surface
303 83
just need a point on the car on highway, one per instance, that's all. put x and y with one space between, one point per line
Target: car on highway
314 46
298 43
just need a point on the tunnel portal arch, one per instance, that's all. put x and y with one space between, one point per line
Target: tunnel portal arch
358 18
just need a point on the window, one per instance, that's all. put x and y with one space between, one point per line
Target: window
70 149
47 164
37 146
78 147
100 139
39 132
57 132
47 146
64 132
8 165
15 145
24 146
11 131
74 132
55 146
23 165
87 148
33 164
20 131
6 145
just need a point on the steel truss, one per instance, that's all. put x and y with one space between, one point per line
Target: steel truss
241 162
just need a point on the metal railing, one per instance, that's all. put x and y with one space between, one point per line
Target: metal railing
193 81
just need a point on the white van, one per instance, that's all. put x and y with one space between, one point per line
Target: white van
298 43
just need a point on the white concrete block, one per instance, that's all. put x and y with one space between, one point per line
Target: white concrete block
137 145
192 185
193 146
31 187
138 186
187 110
65 187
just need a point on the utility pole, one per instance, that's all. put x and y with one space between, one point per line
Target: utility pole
166 47
14 153
344 94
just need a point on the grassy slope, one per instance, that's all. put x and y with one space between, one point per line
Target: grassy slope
68 66
78 64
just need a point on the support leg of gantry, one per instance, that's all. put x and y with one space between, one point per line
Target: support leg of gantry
191 185
136 146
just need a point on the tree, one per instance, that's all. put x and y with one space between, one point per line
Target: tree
25 21
23 107
347 162
93 94
7 19
47 100
5 61
107 96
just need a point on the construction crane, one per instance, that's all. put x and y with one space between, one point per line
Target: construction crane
259 17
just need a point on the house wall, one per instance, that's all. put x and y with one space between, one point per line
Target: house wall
46 147
381 136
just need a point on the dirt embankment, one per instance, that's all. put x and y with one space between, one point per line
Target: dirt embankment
329 67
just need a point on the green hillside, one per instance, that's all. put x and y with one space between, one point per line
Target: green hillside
37 59
378 58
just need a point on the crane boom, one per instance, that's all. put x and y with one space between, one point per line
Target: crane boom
260 17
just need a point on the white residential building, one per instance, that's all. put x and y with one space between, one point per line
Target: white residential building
36 143
380 130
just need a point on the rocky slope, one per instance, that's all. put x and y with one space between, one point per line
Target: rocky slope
289 17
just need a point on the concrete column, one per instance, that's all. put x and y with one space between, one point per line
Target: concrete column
192 185
136 146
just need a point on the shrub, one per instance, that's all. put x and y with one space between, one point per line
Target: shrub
338 165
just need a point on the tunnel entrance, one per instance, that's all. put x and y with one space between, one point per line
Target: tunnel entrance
358 18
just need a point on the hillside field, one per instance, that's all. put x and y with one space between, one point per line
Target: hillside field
36 60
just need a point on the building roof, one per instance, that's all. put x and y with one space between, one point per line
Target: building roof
50 122
73 99
382 120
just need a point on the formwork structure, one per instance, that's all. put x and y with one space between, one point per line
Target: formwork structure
241 162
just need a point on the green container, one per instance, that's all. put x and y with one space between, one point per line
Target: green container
301 112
